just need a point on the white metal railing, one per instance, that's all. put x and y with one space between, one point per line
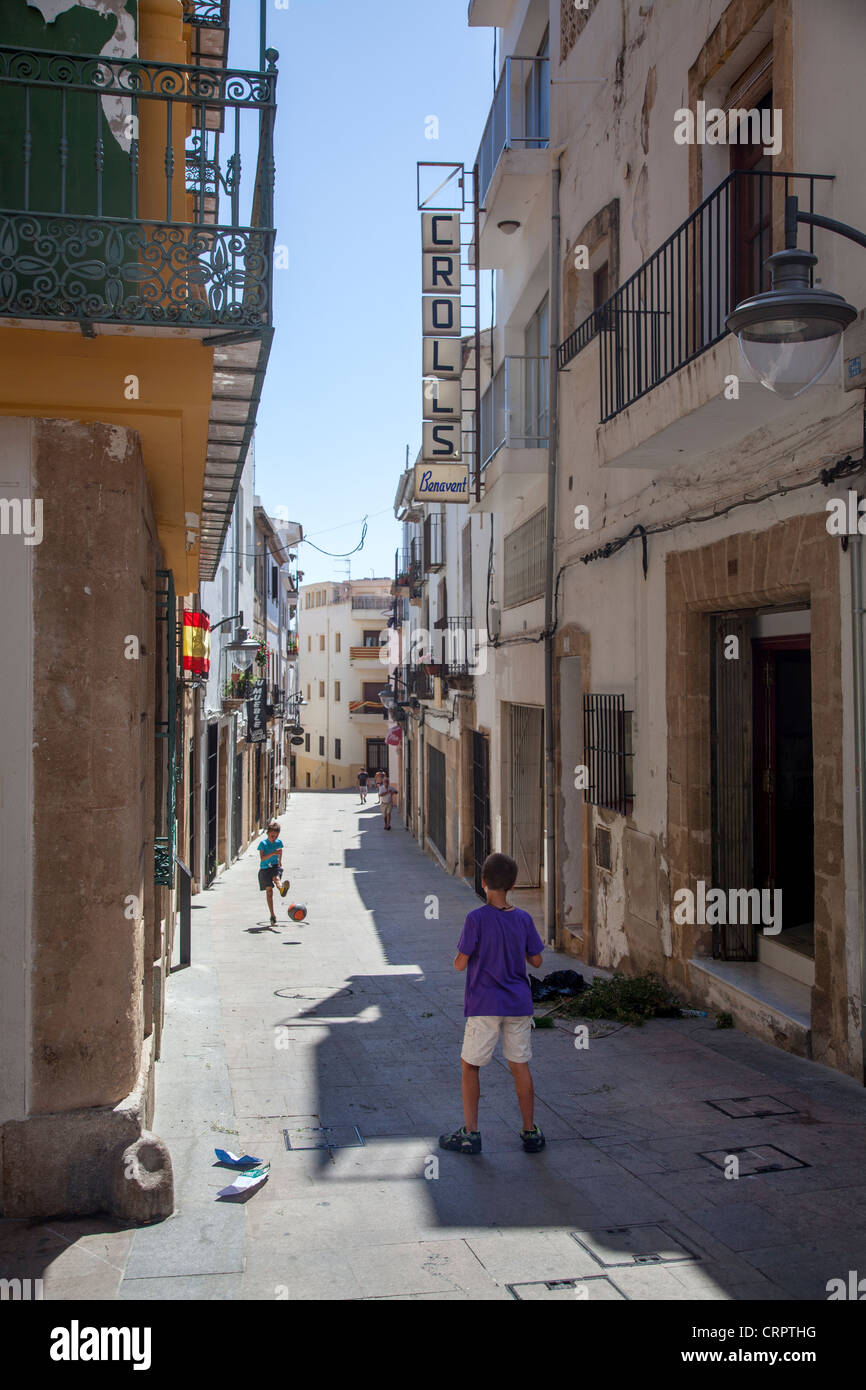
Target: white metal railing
519 116
515 407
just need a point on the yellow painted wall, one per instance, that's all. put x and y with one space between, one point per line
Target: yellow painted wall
63 375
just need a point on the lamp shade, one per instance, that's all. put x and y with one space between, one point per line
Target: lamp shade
789 334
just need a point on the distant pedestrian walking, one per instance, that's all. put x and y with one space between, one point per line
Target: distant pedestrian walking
380 777
495 945
387 797
271 866
362 785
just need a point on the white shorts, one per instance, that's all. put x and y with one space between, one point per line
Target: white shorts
482 1034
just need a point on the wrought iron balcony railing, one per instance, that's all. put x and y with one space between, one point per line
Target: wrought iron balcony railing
519 116
459 646
675 306
125 195
515 407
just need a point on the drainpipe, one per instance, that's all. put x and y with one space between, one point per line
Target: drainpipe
855 548
553 428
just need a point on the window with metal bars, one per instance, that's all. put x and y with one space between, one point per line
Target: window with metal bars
434 541
525 561
607 744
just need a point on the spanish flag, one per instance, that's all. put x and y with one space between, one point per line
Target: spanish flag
196 643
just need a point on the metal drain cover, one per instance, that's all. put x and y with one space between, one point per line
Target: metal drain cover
761 1158
323 1137
597 1288
617 1247
744 1107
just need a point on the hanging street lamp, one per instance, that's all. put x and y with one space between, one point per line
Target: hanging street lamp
789 334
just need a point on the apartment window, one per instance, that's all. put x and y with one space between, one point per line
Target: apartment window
321 641
336 692
336 641
321 745
371 637
434 541
308 701
275 581
338 749
309 639
371 692
525 561
308 600
308 775
306 750
321 690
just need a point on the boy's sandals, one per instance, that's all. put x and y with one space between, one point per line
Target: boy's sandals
462 1141
284 888
533 1140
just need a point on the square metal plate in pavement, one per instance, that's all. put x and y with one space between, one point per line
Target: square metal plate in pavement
746 1107
617 1247
597 1288
761 1158
323 1137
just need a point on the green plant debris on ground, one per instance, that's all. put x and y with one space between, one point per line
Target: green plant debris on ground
627 998
543 1021
724 1020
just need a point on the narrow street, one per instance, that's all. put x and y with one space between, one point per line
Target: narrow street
354 1018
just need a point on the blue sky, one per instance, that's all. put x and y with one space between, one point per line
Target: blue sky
343 392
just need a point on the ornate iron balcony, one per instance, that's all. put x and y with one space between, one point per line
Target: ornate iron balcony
110 212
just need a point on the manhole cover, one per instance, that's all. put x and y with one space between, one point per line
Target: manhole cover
761 1158
745 1107
323 1137
626 1246
596 1288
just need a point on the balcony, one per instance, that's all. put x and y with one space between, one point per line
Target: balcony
490 14
513 163
462 656
292 646
664 330
417 682
514 430
371 603
367 653
367 709
138 196
136 222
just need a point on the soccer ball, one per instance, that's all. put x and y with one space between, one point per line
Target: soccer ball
297 912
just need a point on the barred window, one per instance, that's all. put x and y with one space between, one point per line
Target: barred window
608 751
525 561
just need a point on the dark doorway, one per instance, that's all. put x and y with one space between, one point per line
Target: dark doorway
192 781
259 821
436 798
407 790
783 782
211 804
238 806
480 804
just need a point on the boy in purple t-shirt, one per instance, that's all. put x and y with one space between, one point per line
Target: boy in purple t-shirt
494 947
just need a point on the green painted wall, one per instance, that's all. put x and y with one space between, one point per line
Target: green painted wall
80 30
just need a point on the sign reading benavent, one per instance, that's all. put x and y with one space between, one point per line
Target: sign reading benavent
441 476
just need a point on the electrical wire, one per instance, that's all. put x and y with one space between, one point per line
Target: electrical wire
844 468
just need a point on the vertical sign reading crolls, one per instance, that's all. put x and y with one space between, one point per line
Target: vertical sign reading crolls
441 476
